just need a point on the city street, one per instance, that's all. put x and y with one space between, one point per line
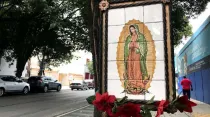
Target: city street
51 104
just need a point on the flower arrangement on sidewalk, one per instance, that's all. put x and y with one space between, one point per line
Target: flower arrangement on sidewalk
123 108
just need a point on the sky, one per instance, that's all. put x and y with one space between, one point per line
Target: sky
196 23
76 66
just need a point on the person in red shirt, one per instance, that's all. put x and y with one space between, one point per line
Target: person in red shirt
186 86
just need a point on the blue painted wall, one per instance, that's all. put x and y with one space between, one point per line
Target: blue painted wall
196 50
201 85
198 46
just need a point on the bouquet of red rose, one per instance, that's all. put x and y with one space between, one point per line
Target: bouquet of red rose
123 108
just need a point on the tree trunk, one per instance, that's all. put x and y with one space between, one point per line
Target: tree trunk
22 59
20 66
41 68
43 72
96 52
23 55
29 67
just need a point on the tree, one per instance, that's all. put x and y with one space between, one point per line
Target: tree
182 10
6 5
37 24
90 67
53 56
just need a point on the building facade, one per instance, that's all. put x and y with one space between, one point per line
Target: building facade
6 68
193 61
88 75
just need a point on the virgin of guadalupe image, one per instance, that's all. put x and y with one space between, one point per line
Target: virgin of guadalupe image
135 54
185 64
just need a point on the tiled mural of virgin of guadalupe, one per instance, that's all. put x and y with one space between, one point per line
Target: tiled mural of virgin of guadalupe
136 66
183 65
138 52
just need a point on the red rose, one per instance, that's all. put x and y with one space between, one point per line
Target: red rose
161 105
104 102
186 103
128 110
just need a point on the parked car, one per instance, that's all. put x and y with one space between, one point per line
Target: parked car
90 84
25 79
11 84
80 84
44 83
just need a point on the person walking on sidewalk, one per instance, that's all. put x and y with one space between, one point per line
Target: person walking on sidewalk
186 86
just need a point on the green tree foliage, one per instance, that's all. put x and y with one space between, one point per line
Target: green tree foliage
90 67
53 28
182 10
27 27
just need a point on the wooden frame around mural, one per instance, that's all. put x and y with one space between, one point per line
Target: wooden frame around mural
168 44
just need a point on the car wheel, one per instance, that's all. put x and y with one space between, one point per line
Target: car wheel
1 92
25 90
58 88
45 89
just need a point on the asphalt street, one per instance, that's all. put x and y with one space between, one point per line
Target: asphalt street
51 104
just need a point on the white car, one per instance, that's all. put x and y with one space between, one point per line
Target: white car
11 84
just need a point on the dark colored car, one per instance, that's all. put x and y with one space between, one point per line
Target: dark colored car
44 83
90 84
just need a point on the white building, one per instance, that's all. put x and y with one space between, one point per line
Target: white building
7 69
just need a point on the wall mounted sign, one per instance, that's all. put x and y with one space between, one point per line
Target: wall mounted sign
195 55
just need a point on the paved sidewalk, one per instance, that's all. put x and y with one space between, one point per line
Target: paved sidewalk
201 110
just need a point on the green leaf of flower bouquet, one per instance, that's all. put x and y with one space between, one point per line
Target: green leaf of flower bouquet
148 115
180 106
114 109
124 91
123 99
175 100
146 112
91 99
151 100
